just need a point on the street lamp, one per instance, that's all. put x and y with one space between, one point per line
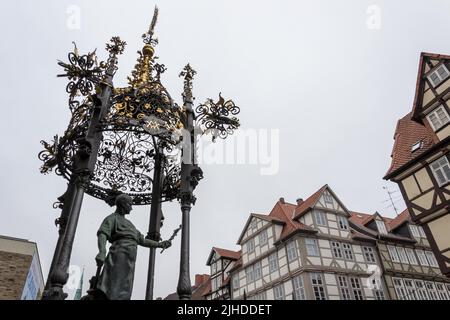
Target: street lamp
128 140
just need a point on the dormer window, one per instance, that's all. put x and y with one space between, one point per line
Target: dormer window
416 146
438 118
438 75
381 226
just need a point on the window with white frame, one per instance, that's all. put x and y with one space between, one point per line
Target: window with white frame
299 288
414 231
411 256
259 296
318 286
416 146
402 255
291 251
399 289
263 238
235 282
369 254
343 288
278 292
337 251
343 223
257 270
381 226
320 217
422 257
213 268
348 253
393 253
312 248
443 295
410 289
438 118
448 287
328 198
431 259
250 275
431 290
378 291
273 262
355 283
441 170
438 75
422 293
250 245
422 233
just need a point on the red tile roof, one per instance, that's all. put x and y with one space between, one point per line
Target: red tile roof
306 205
233 255
360 218
284 212
399 220
268 218
364 218
407 133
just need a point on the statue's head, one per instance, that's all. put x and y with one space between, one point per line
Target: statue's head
124 203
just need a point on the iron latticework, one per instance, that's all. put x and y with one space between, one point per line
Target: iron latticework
134 140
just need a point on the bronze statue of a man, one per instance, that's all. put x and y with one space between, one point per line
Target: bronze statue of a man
116 278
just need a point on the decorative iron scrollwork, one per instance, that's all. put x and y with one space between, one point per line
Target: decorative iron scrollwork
83 72
218 117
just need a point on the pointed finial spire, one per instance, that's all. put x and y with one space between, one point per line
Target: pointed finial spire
148 36
188 74
80 288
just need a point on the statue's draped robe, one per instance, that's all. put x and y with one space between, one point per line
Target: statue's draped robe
116 279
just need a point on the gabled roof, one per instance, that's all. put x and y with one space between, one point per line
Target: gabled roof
309 203
312 200
259 216
420 82
364 218
408 133
224 253
358 222
399 220
284 211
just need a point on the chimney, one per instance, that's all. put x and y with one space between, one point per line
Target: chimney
199 279
282 200
299 201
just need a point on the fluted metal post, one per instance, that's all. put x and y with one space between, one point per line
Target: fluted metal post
84 162
155 221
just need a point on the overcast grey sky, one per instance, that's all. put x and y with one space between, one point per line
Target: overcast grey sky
312 69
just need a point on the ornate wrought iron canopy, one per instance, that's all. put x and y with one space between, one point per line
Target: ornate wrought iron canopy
143 120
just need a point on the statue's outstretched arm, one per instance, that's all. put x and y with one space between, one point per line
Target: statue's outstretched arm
154 244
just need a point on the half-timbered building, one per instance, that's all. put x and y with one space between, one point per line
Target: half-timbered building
420 159
220 261
407 264
318 249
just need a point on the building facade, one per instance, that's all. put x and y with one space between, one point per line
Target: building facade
420 159
221 261
20 270
408 266
317 250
